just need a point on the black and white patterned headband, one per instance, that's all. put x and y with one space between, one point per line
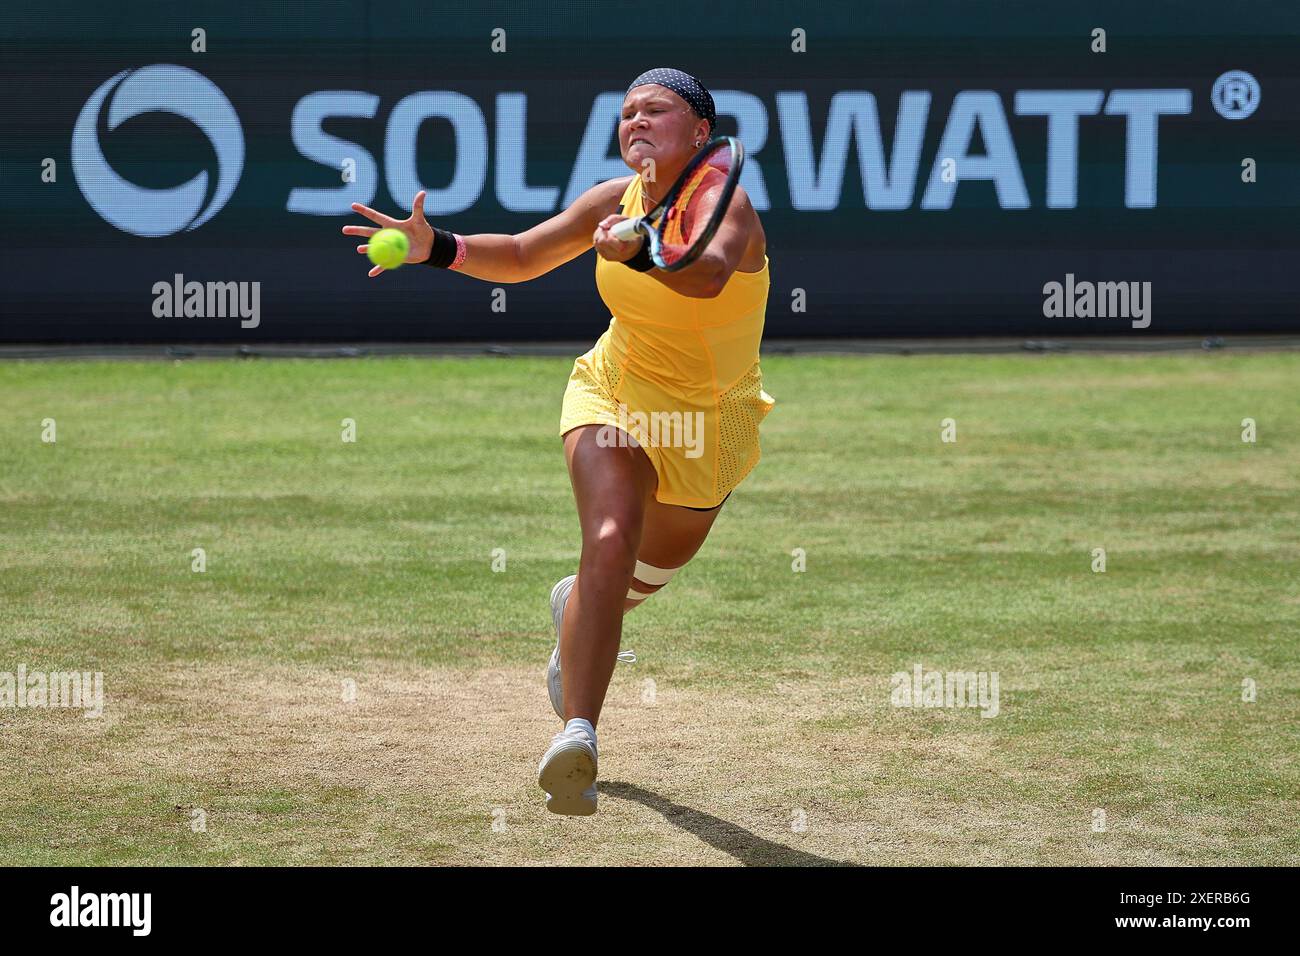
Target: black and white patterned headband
684 85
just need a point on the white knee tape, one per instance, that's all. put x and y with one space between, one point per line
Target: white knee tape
649 574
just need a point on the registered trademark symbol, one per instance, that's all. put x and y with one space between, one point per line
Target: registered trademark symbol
1235 95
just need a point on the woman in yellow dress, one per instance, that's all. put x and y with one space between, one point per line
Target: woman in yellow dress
660 418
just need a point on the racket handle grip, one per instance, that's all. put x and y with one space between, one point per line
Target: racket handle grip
624 230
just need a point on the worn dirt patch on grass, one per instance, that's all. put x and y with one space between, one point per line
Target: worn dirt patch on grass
438 766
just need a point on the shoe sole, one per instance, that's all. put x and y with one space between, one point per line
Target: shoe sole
556 593
566 772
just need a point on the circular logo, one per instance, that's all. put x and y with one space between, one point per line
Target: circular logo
163 88
1235 95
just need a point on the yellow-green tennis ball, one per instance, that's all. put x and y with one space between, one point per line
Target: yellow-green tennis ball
388 248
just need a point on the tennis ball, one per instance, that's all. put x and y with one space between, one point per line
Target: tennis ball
388 248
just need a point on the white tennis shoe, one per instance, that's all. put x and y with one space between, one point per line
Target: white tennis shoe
559 599
568 771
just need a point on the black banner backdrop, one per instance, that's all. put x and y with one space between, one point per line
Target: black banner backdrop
920 168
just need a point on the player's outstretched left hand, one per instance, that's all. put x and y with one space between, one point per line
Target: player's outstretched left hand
419 234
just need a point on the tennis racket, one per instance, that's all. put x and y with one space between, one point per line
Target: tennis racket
680 228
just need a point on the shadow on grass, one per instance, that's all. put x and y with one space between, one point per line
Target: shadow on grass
749 849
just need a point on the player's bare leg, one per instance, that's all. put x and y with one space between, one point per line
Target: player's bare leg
611 486
611 483
670 537
624 530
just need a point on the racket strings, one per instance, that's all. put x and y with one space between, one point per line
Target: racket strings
682 226
692 206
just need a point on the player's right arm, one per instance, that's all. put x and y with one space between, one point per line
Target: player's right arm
497 257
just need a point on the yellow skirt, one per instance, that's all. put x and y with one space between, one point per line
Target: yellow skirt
701 447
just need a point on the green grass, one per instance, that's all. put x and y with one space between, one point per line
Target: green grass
1119 690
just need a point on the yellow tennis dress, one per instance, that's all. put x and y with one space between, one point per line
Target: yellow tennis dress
678 374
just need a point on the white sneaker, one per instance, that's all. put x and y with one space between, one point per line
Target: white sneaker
568 773
559 599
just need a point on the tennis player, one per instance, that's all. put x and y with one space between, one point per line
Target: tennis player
660 418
